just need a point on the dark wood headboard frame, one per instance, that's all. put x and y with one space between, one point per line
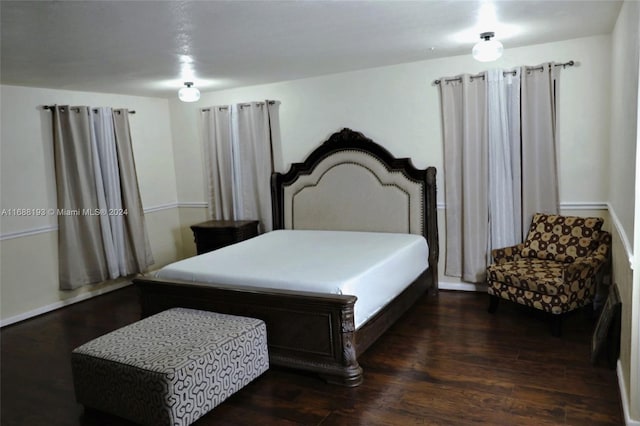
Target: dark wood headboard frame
349 140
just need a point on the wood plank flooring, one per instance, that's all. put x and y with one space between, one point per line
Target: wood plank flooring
446 362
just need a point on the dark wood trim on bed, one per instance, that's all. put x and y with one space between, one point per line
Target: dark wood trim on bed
306 331
310 331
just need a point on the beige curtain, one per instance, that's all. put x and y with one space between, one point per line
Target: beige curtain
216 134
252 128
463 101
238 145
84 231
138 256
81 256
539 164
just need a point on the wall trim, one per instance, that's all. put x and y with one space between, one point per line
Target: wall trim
160 207
62 303
623 236
462 286
587 205
570 205
52 228
625 398
203 204
28 232
193 204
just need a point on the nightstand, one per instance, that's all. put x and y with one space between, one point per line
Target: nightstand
215 234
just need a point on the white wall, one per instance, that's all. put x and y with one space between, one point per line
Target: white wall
28 244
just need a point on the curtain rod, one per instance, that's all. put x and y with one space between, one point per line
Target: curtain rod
222 108
76 109
564 65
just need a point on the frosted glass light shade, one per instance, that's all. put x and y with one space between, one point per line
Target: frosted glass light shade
487 50
188 93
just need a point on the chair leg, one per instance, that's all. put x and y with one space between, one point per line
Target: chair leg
493 303
556 325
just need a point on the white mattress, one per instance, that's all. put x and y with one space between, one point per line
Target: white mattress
375 267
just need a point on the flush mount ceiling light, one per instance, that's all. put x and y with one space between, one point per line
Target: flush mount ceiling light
188 93
487 50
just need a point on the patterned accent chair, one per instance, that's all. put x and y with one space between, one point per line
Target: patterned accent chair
555 270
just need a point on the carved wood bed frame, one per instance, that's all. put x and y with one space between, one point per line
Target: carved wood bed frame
312 331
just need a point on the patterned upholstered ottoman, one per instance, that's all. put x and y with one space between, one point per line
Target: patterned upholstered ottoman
170 368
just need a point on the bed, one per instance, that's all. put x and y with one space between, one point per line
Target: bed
349 191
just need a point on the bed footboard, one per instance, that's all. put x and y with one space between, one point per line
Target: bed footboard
305 331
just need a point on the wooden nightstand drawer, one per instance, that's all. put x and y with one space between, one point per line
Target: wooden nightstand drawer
215 234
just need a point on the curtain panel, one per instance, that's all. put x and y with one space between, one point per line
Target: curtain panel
503 120
81 256
138 256
500 161
216 134
108 183
539 165
238 144
101 229
465 155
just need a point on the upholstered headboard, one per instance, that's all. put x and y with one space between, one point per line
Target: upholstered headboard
351 183
353 190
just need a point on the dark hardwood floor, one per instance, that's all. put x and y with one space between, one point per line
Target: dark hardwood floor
447 362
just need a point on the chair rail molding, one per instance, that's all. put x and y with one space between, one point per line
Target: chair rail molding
623 235
52 228
193 204
584 205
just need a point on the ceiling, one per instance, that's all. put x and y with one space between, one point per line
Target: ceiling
150 48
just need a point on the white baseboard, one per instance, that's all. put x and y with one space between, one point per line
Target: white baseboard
625 398
461 286
57 305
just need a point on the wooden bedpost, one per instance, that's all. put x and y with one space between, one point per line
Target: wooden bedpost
432 228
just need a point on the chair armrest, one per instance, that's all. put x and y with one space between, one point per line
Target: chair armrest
507 254
605 244
585 267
